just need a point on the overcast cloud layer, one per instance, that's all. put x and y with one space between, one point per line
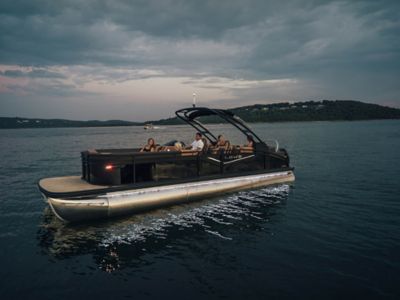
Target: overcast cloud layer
140 60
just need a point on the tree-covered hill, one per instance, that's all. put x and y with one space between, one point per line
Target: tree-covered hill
279 112
306 111
49 123
316 111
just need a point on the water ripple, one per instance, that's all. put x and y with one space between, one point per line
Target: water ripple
224 212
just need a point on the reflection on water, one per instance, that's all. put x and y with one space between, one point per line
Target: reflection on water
115 244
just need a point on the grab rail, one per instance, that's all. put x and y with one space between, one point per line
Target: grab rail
275 144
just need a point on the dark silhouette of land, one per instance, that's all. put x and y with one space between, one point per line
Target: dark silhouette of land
325 110
305 111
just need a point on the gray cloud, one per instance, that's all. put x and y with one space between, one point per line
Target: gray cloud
35 73
143 32
326 49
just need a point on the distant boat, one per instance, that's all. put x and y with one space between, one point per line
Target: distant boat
148 126
151 126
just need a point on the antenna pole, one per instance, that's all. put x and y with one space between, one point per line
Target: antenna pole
194 99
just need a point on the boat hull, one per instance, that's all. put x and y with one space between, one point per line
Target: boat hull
119 203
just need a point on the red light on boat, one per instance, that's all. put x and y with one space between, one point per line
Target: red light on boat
108 167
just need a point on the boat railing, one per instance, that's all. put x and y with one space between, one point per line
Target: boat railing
113 166
119 166
273 145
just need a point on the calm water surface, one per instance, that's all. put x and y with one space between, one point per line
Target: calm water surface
334 233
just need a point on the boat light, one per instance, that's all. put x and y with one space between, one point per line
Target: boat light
109 167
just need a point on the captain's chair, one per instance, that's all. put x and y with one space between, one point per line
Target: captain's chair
206 145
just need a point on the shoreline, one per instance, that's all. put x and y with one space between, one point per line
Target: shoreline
266 122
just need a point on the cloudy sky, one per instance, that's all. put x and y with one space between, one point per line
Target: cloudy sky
140 60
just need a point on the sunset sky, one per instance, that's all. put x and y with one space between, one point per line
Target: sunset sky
141 60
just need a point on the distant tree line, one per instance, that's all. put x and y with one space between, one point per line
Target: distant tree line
18 122
325 110
305 111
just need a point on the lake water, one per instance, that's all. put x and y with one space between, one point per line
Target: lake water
334 233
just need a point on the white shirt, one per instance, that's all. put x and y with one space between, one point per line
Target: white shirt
197 145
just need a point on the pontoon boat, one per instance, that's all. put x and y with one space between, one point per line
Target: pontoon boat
124 181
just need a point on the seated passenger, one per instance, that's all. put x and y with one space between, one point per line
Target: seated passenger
176 147
222 143
197 144
249 147
250 141
150 146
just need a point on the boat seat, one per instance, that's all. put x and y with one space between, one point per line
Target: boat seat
232 151
246 150
167 149
189 152
205 147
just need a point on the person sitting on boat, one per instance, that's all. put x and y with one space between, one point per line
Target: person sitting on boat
250 141
176 147
198 143
150 146
249 147
222 143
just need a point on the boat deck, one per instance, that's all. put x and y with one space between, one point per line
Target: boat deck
68 184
